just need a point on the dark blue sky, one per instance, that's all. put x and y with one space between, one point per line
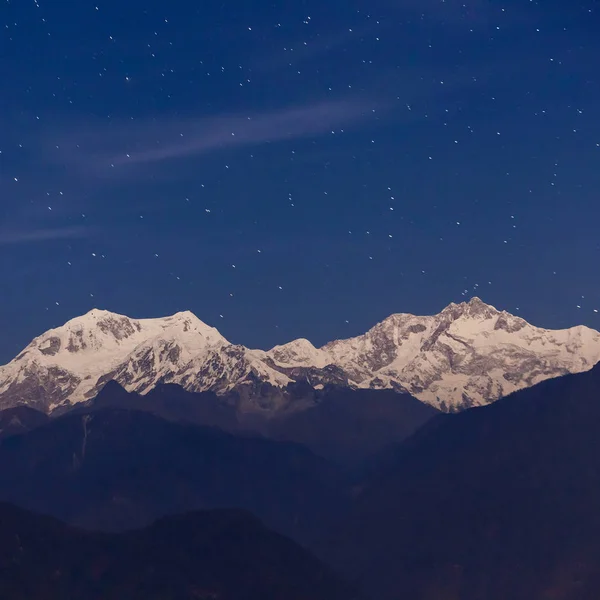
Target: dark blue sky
297 169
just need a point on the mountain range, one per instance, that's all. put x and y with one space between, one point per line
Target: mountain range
343 425
491 502
115 469
468 355
495 502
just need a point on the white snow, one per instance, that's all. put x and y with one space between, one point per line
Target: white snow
100 341
299 352
471 337
469 350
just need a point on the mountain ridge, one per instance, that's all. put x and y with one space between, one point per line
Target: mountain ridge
469 354
495 502
342 425
115 469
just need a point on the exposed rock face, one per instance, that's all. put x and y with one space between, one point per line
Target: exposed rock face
470 354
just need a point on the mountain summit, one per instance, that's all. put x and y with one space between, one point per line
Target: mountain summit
72 363
469 354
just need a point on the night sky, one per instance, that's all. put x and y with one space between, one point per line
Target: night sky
297 169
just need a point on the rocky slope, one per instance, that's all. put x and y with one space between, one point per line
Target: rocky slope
469 354
72 363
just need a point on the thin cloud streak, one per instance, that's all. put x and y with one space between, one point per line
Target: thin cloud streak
41 235
106 147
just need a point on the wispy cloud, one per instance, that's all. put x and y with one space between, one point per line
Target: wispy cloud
106 147
10 237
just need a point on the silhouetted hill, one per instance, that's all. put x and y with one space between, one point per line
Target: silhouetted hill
341 424
169 401
350 426
20 419
116 469
212 555
494 503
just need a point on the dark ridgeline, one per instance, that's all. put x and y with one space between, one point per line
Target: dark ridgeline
213 555
115 469
496 503
343 425
351 426
489 504
20 419
169 401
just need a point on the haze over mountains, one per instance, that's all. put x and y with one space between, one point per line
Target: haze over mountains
150 419
118 469
470 354
495 502
344 425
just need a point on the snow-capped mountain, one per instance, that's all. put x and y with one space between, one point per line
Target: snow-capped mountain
469 354
72 363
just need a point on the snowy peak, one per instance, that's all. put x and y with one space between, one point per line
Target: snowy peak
476 311
101 334
299 352
405 329
71 362
469 354
94 332
474 308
